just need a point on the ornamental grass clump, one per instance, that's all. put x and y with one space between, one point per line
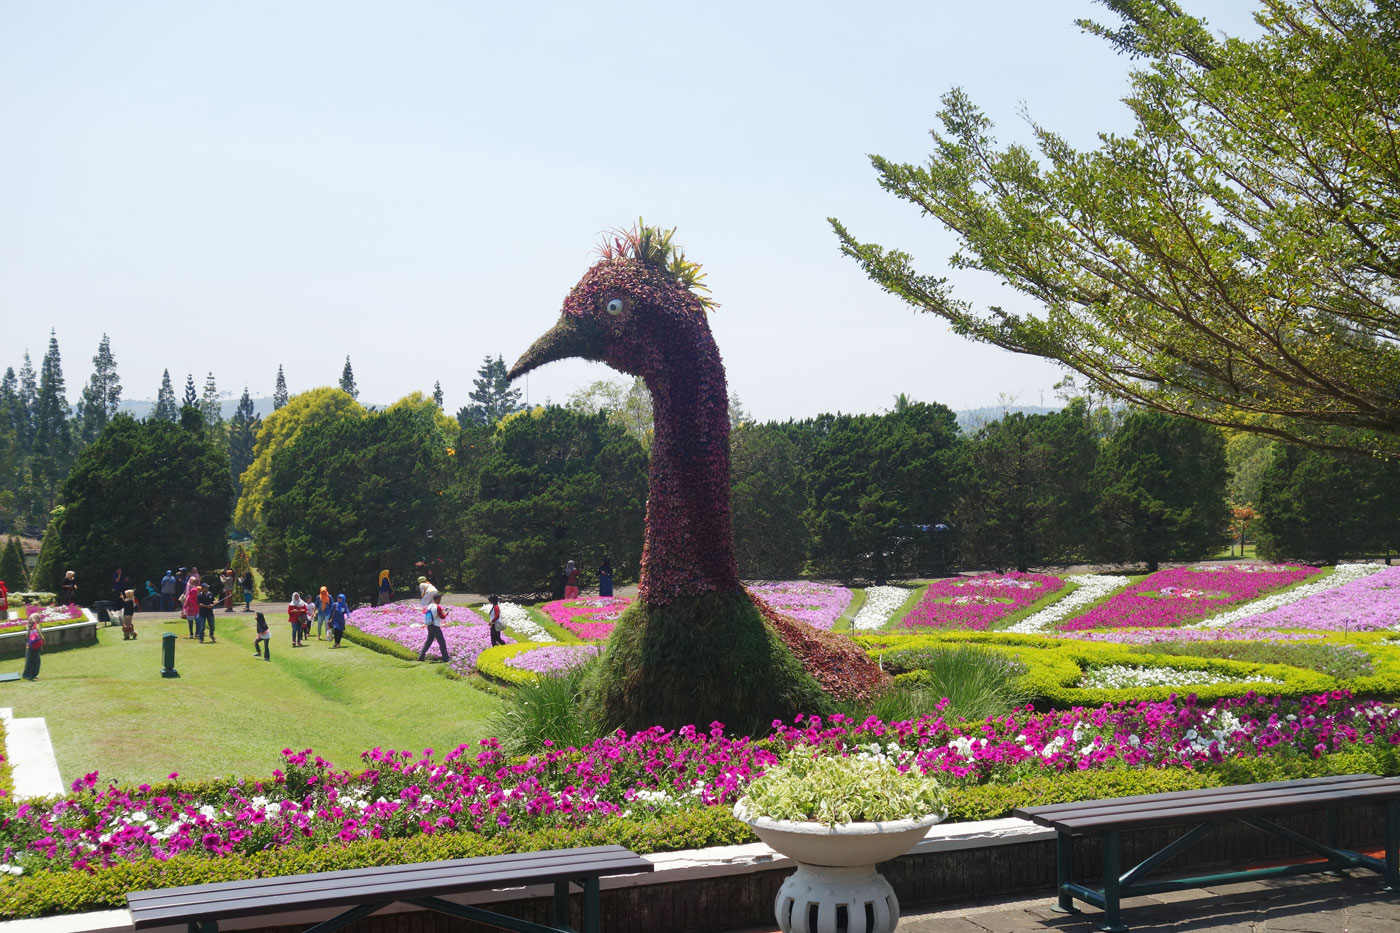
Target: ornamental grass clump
813 786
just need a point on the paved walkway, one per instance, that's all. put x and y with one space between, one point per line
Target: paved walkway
1308 904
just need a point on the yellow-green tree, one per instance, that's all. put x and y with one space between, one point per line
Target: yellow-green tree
278 430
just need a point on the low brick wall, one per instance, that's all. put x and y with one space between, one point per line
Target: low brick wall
55 636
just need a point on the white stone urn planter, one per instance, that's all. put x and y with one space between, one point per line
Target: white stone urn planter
836 888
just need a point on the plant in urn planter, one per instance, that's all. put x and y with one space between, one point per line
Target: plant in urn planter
838 817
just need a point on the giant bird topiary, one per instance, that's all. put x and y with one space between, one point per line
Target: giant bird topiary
694 648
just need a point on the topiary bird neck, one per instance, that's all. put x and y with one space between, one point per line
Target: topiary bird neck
689 545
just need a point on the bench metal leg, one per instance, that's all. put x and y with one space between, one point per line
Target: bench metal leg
1111 874
1064 861
1392 845
1334 836
204 926
561 904
592 906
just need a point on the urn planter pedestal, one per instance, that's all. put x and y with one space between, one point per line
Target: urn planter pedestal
836 888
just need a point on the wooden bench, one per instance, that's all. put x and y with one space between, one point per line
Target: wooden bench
1210 809
362 891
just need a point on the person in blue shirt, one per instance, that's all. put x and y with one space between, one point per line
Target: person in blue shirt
339 610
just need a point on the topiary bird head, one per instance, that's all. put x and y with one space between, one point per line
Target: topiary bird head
640 309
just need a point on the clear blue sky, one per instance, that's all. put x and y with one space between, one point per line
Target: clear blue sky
232 186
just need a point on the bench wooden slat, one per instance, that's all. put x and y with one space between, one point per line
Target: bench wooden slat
1104 815
233 899
1054 810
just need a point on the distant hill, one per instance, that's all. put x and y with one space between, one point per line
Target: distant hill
971 419
141 407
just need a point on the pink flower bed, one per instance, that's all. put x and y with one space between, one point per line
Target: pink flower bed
1179 595
979 601
1364 605
591 618
308 804
552 659
46 615
817 604
467 634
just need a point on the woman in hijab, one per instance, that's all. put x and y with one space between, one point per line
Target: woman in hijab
323 611
296 614
68 590
605 577
338 613
570 581
33 644
386 592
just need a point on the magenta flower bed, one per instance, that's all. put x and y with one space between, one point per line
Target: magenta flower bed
552 659
467 634
591 619
396 794
979 601
1179 595
1152 636
46 616
817 604
1363 605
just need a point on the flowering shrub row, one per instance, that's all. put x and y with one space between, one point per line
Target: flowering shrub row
978 602
817 604
590 618
1366 604
1341 575
1179 595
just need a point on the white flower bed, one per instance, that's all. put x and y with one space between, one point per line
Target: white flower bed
1092 588
518 621
1122 675
880 604
1344 574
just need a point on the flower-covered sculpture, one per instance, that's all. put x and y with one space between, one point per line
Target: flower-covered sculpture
694 647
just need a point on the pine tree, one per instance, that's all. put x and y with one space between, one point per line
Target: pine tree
437 393
28 404
492 396
166 409
11 455
102 396
209 404
53 441
279 394
12 568
191 397
347 380
242 435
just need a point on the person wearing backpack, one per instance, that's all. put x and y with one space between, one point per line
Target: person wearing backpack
434 617
498 627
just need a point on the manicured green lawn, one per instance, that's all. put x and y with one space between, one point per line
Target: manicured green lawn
229 713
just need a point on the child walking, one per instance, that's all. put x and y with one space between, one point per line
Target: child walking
128 614
262 641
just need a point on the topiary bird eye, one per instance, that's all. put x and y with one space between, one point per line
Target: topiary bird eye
615 307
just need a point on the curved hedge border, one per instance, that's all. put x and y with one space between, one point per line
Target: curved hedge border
492 662
1056 664
62 892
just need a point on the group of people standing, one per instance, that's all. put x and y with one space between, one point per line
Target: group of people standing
329 614
566 584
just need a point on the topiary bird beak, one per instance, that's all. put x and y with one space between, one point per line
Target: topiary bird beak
572 336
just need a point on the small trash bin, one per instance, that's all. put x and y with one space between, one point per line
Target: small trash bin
103 608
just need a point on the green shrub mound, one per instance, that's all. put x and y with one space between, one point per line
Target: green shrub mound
699 660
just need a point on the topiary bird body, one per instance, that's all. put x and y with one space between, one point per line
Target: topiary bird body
694 648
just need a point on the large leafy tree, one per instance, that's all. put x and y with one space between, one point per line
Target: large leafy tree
1232 260
543 487
278 430
145 496
1028 496
1317 505
351 496
1161 482
492 396
767 499
876 484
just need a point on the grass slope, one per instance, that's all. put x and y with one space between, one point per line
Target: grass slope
109 710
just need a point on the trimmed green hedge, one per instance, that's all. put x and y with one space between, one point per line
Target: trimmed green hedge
61 892
1055 665
7 777
492 662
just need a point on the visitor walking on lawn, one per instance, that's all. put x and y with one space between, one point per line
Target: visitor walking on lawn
296 615
247 584
434 617
191 604
570 581
323 611
33 644
497 626
206 613
262 640
339 610
426 592
128 615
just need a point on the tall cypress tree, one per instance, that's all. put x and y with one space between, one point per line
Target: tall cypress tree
492 396
191 397
101 396
28 404
209 404
437 393
53 441
11 454
242 434
347 380
166 409
279 394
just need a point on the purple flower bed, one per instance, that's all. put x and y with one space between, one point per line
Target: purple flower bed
591 618
817 604
978 602
552 659
1152 636
308 803
1179 595
467 634
1363 605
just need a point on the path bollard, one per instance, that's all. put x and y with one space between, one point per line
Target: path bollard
167 650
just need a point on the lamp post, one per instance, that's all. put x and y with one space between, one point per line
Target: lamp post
940 532
428 560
